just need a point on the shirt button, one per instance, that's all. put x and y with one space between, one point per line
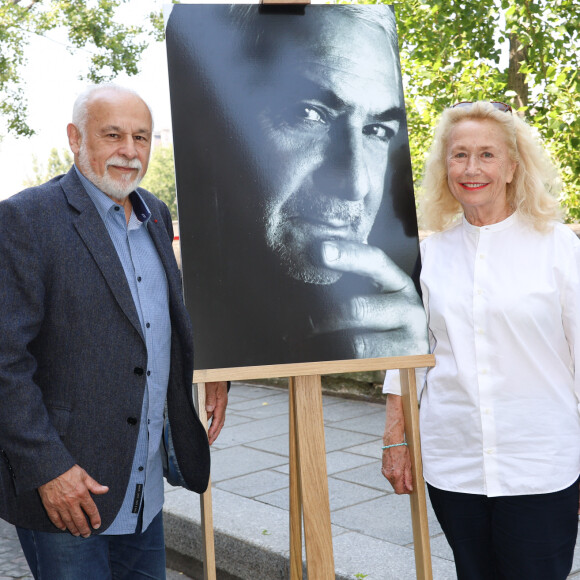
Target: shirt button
480 331
480 291
141 468
483 371
489 451
132 420
148 373
138 371
148 325
482 256
139 279
117 208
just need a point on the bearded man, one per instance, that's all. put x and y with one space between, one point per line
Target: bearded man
96 343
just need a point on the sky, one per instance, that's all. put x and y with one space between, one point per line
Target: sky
51 82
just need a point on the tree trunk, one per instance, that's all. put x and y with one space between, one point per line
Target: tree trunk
517 80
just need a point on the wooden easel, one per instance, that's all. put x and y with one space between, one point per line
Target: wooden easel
309 503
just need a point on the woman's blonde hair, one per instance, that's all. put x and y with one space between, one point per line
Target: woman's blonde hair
534 187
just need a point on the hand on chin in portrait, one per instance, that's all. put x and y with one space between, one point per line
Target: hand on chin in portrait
371 310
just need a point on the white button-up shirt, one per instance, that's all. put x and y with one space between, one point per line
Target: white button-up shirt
499 411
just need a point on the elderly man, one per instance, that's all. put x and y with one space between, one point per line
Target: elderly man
96 342
290 142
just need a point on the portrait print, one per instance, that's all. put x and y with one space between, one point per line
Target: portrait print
294 187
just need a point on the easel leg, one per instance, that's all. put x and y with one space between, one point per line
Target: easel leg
313 477
295 496
418 497
209 569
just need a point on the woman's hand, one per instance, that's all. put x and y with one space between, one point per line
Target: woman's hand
397 469
396 460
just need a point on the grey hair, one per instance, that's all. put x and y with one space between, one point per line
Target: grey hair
80 108
246 18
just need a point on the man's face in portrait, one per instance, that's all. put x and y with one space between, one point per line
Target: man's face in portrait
290 141
329 106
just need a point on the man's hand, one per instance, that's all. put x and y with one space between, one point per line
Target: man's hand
390 322
68 502
216 400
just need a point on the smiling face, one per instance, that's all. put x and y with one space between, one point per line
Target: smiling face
112 150
479 167
328 110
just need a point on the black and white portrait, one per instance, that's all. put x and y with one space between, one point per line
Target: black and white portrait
294 187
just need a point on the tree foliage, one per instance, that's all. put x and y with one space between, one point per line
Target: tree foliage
160 177
454 50
88 23
451 50
59 162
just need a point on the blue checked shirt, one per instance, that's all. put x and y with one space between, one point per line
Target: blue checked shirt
148 284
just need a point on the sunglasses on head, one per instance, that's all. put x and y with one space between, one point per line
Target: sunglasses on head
497 104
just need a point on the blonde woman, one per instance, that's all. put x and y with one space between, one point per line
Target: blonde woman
500 427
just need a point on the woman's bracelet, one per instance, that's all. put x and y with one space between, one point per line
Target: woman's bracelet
394 445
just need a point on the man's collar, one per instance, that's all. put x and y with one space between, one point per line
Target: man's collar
104 203
139 207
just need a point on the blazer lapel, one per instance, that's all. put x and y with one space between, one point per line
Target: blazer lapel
93 232
158 234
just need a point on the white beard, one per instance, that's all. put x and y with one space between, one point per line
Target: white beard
117 189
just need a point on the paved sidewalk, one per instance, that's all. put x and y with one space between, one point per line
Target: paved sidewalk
371 526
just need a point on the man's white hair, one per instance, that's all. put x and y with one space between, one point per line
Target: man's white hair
80 108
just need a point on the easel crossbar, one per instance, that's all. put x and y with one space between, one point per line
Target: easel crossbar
314 368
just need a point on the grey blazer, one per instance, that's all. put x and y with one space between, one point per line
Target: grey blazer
72 354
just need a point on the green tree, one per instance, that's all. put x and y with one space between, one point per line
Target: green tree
160 177
451 51
59 162
115 47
